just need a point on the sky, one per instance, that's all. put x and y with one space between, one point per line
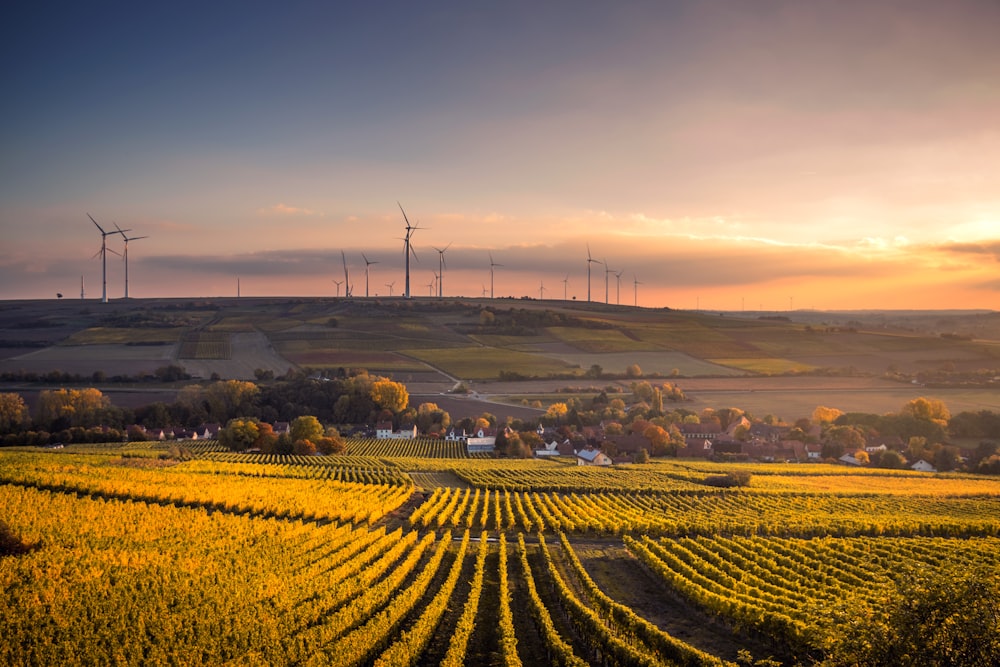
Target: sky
743 155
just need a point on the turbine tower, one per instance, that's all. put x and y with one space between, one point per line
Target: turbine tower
442 265
347 276
390 286
125 252
541 291
618 293
492 265
590 260
103 252
408 248
565 282
607 270
635 291
368 263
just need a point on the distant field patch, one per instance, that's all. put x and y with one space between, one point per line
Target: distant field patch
599 340
206 345
383 361
489 362
123 336
661 363
765 366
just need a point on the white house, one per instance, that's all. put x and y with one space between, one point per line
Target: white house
592 457
383 431
483 440
923 466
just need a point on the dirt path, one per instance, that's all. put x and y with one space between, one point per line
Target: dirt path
623 578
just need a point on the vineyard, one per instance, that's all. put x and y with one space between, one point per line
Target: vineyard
125 554
206 345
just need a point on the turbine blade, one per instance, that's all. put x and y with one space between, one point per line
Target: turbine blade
95 223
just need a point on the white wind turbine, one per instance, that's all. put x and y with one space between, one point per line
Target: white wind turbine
368 263
635 293
408 248
442 265
103 252
125 252
590 260
492 265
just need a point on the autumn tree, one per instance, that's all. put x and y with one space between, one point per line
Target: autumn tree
927 409
633 371
390 395
555 413
239 434
13 413
825 415
62 408
306 427
230 399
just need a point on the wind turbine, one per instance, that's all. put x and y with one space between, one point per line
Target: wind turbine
368 263
607 270
442 265
408 248
541 290
590 260
430 286
125 252
492 265
618 294
338 283
484 291
390 286
347 276
565 282
103 252
635 288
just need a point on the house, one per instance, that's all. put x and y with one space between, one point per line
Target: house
209 431
282 428
923 466
483 440
549 449
814 452
384 431
693 449
848 459
592 457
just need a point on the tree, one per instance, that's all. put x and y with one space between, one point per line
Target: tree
61 408
825 415
239 434
390 395
13 413
556 413
267 439
595 371
633 371
306 427
947 617
927 409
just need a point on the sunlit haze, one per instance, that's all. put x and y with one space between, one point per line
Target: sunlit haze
723 155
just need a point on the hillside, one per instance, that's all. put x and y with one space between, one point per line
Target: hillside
502 347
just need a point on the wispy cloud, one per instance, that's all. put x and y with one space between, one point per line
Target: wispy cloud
285 209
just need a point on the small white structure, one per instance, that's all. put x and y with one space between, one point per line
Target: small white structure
550 449
483 440
923 466
383 431
592 457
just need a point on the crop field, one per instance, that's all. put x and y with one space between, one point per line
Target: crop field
488 362
281 560
125 336
206 345
765 366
